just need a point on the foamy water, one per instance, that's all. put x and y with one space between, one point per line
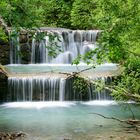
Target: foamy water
38 105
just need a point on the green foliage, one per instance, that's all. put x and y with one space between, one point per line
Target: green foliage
77 60
119 21
57 13
129 82
3 36
119 40
52 45
81 14
21 13
80 85
53 48
36 13
119 24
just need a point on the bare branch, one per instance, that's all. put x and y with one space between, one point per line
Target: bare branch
76 73
132 122
112 118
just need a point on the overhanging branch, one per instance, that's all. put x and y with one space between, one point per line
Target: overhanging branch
133 122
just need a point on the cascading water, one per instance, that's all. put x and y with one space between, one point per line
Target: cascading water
50 88
73 43
15 57
38 88
51 82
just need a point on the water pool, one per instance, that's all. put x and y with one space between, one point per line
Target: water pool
66 120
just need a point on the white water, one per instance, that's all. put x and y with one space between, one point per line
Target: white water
15 57
44 104
100 103
38 82
38 105
72 43
51 88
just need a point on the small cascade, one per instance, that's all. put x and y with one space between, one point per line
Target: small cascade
71 43
35 88
101 94
39 88
15 56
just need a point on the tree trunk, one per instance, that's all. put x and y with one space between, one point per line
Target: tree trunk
4 25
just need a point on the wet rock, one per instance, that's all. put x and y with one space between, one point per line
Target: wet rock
65 138
4 53
77 36
11 136
111 137
79 130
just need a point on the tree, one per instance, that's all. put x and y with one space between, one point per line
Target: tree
81 14
119 42
21 13
57 13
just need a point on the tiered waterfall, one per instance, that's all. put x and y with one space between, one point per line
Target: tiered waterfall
45 85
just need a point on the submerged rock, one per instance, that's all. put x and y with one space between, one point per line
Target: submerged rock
79 130
12 136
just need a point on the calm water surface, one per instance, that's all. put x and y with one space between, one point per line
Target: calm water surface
71 120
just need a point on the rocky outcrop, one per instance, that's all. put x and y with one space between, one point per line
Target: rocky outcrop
4 53
3 87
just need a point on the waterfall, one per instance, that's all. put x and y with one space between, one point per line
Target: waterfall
50 89
15 56
72 43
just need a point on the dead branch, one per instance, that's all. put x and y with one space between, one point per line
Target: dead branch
134 97
134 122
76 73
112 118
